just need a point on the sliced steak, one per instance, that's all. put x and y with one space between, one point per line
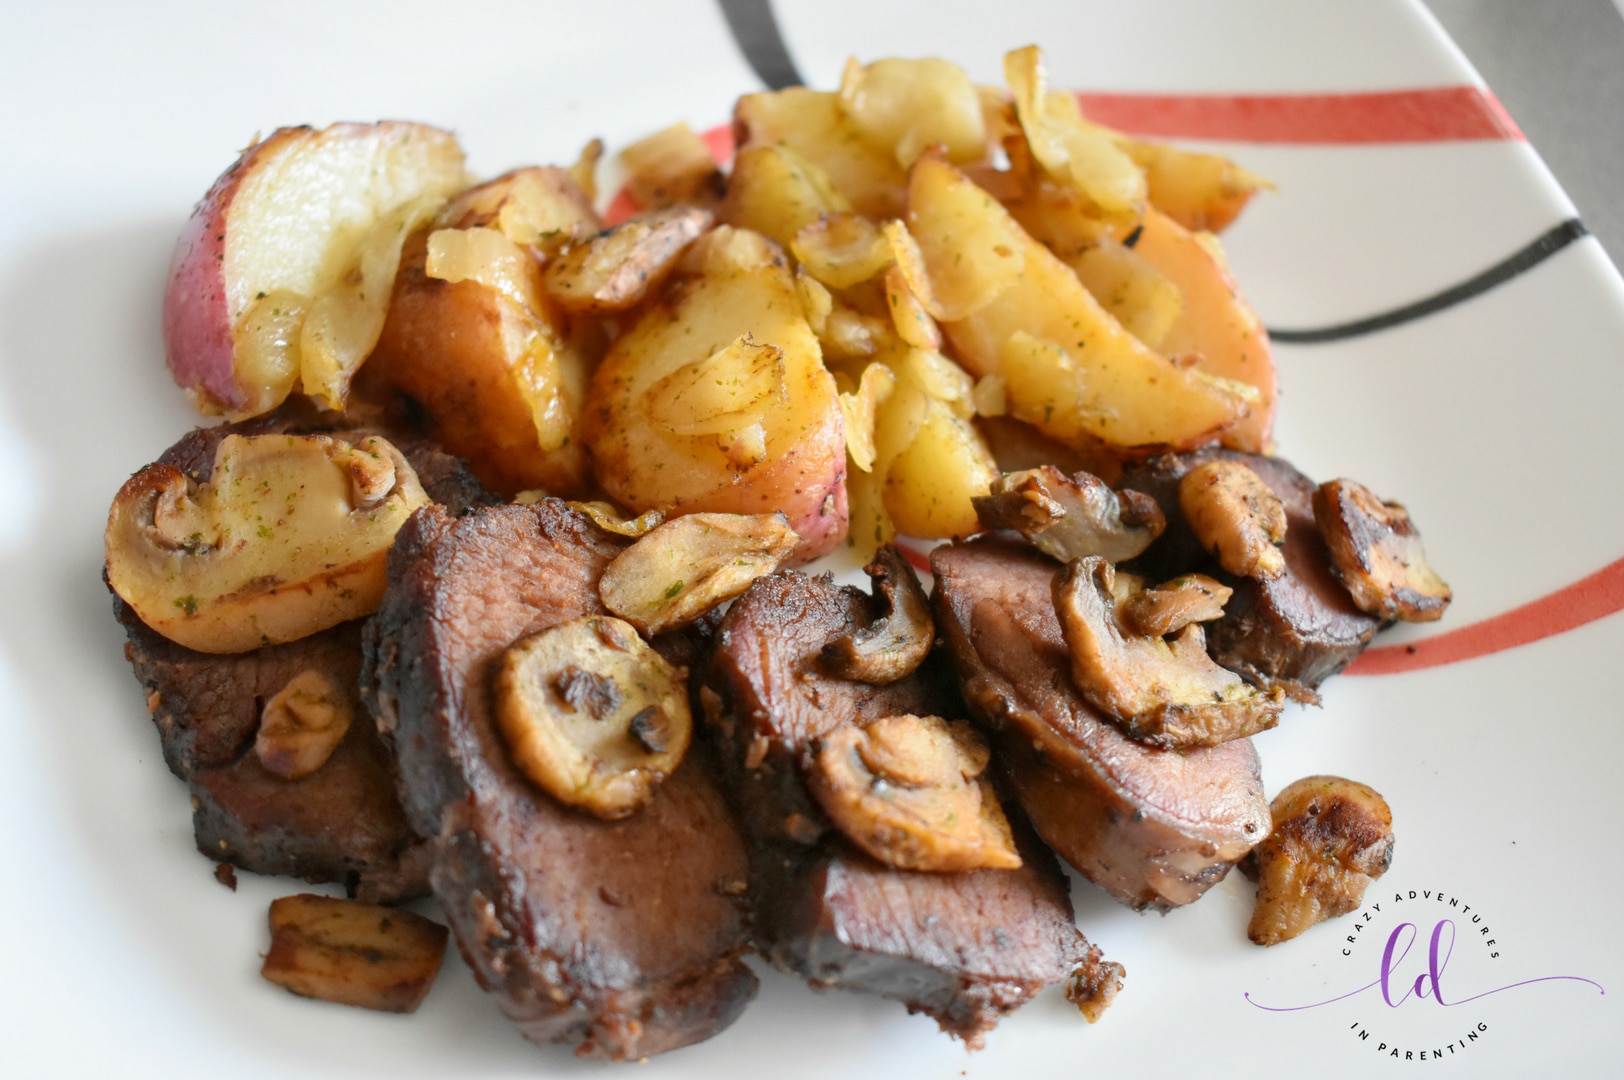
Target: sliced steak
1296 630
1154 828
966 948
621 938
341 823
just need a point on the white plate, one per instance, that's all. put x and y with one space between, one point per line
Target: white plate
1495 420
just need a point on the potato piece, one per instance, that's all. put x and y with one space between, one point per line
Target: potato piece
1140 297
488 360
1235 516
899 638
903 107
908 790
1331 838
930 486
1060 218
813 125
732 284
1376 552
841 250
1202 192
1070 151
592 715
859 409
303 215
301 725
534 206
1216 327
914 325
956 255
1072 517
290 536
871 523
352 953
689 565
1164 693
614 271
1071 370
670 167
776 192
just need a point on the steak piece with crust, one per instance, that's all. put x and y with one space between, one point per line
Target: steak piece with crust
621 938
966 948
1154 828
1294 631
343 822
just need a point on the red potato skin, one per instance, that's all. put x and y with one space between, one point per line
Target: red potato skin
197 324
818 510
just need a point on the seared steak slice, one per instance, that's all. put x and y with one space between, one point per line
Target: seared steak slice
1296 630
1154 828
621 938
341 823
965 948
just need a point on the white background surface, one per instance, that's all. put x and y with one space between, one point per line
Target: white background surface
1496 422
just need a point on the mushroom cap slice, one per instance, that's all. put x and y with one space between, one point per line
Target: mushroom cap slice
896 642
909 791
1162 692
1236 516
288 537
1072 517
1376 552
1331 838
681 569
593 715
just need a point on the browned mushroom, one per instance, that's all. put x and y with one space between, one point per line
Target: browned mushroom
593 715
302 724
288 537
1376 552
686 566
909 791
353 953
1236 516
1169 608
1072 517
1162 692
1331 838
899 639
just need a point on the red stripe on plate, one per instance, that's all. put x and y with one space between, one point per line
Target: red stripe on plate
1442 114
1586 600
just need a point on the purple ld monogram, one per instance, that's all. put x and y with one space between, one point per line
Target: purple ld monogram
1428 984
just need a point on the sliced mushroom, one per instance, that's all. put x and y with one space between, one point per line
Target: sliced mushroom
1236 516
1169 608
909 791
302 724
593 715
1331 838
896 642
1376 552
1072 517
353 953
1161 692
687 566
615 269
289 536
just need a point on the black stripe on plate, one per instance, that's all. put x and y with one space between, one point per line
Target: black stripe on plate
1529 257
756 30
